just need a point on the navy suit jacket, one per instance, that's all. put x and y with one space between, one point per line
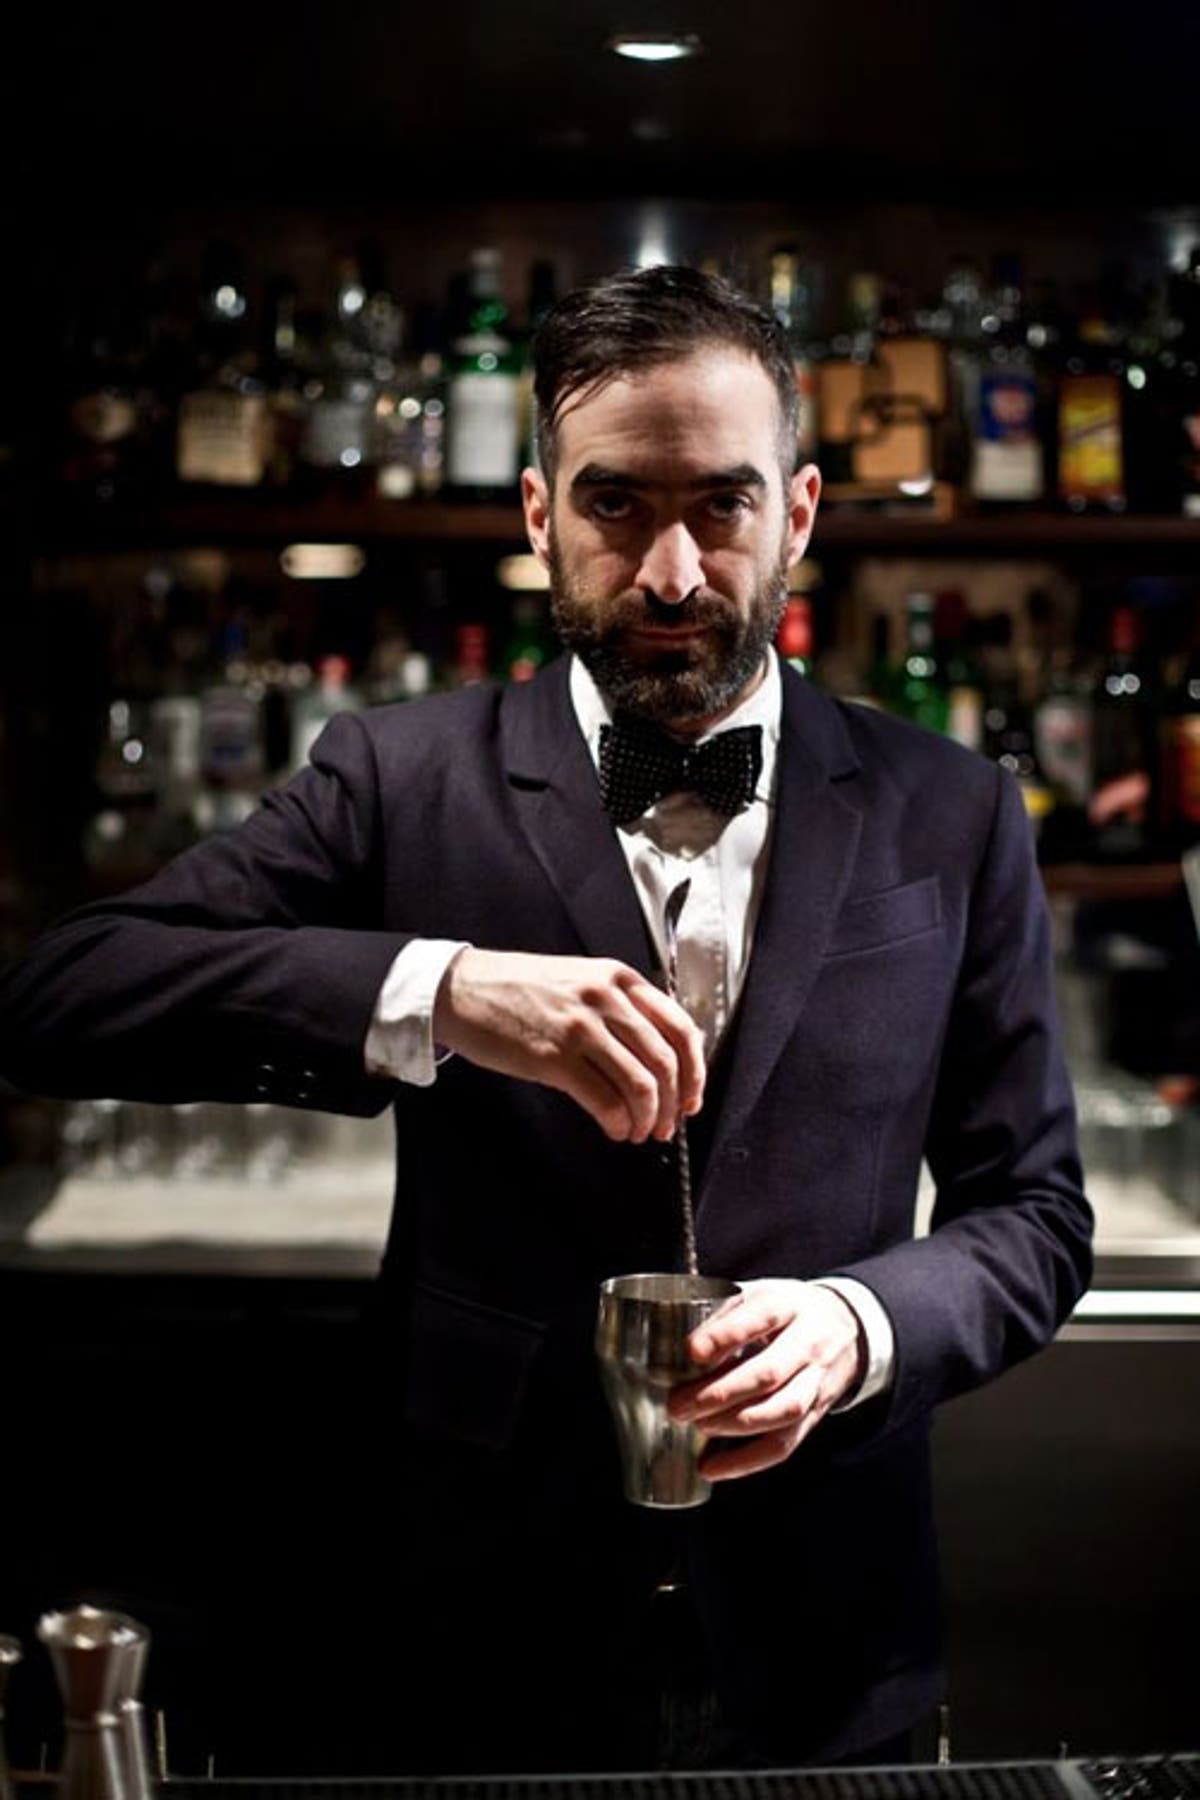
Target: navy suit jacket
898 1004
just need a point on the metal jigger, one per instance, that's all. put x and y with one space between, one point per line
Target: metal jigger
641 1342
98 1658
10 1653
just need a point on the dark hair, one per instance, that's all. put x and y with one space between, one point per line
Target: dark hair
642 317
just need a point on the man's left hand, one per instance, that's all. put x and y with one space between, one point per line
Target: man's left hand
801 1352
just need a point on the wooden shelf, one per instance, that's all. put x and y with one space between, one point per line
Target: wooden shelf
52 525
1112 881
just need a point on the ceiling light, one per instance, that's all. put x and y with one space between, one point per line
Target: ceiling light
648 46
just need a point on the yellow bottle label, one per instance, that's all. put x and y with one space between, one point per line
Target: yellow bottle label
1090 465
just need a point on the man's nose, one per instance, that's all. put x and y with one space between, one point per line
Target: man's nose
670 569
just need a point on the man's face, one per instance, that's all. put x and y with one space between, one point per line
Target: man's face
670 531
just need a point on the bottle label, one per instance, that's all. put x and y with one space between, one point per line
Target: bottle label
484 430
1185 748
223 438
806 393
1062 735
1091 465
1007 460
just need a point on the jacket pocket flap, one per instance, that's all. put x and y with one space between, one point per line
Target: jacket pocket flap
887 917
468 1367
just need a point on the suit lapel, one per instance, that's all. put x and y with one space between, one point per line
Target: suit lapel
811 857
556 797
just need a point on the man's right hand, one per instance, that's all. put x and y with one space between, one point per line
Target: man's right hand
591 1027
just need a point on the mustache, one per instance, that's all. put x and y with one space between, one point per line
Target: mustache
639 607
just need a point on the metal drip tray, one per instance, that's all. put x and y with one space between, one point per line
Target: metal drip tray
1149 1778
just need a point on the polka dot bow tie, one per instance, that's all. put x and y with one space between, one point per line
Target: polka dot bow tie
639 764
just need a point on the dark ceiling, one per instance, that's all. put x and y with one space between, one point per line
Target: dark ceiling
877 100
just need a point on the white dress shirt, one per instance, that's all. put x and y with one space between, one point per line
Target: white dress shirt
680 837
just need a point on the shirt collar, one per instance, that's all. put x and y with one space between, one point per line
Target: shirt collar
763 707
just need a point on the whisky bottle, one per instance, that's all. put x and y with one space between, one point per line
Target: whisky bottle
222 435
483 391
793 299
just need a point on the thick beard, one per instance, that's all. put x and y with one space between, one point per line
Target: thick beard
669 686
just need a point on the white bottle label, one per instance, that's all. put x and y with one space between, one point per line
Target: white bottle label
484 430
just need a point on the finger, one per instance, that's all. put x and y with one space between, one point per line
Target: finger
765 1310
637 1086
741 1383
643 1038
584 1083
728 1462
786 1408
682 1033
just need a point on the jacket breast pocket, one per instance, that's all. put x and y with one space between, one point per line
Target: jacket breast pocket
468 1368
889 917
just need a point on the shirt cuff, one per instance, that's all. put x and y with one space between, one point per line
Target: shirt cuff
400 1039
878 1336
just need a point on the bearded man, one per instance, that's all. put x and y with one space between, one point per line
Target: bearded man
457 910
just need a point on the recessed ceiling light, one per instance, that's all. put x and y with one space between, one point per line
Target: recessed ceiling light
648 46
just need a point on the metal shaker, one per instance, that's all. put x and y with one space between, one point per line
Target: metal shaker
10 1653
641 1341
98 1658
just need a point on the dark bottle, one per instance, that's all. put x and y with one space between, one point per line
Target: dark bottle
920 692
103 455
1152 402
543 293
794 286
283 380
1185 288
1121 808
961 677
483 391
846 379
1180 789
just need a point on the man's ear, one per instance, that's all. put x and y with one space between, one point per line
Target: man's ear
535 498
804 494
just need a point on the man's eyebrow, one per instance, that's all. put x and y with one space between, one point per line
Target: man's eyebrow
594 475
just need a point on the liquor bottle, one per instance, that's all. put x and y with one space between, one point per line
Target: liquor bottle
339 440
1007 463
222 435
232 748
920 692
483 391
469 662
961 678
793 300
1008 735
1062 711
103 419
1181 753
1121 807
543 294
1152 401
329 694
957 321
904 444
1091 449
1185 289
410 418
530 644
283 381
846 379
794 639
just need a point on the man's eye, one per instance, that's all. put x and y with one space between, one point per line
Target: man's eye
728 506
611 507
